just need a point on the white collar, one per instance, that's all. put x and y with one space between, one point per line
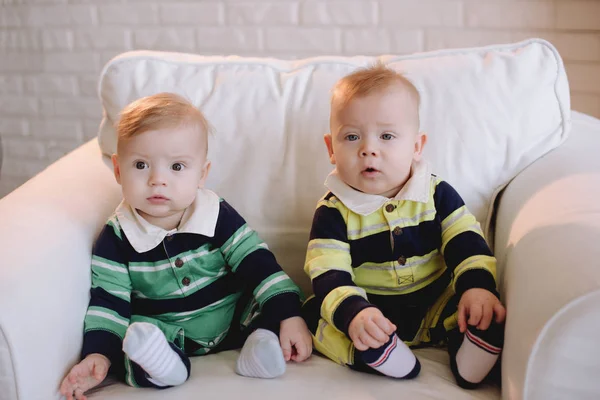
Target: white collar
199 218
417 189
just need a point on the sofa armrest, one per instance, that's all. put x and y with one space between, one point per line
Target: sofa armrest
47 231
547 233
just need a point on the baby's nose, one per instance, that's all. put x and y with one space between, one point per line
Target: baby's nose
369 151
157 179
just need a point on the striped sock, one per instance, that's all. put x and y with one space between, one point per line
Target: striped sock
393 359
479 352
147 346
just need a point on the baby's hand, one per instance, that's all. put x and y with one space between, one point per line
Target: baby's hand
479 305
370 329
295 339
88 373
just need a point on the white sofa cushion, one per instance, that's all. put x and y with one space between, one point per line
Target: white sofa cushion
213 377
489 112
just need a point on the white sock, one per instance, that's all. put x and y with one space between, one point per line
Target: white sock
393 359
261 356
146 345
475 358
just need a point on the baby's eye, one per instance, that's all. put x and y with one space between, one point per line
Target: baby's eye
387 136
351 137
177 166
140 164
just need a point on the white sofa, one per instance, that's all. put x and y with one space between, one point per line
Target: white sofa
498 117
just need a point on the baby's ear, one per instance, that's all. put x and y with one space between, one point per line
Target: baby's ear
327 138
205 171
420 142
116 168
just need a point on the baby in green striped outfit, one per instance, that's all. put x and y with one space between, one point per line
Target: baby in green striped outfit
176 271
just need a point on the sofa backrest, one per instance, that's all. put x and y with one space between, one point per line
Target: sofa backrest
489 112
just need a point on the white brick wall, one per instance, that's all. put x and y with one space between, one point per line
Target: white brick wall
51 51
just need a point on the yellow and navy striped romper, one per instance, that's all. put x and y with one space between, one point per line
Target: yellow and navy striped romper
410 258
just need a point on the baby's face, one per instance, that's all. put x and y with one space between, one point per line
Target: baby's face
374 140
161 170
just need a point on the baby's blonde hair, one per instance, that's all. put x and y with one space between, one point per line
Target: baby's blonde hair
372 79
159 111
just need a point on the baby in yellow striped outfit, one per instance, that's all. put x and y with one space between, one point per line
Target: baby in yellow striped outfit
395 257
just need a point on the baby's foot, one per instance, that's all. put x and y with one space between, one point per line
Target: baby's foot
147 346
261 356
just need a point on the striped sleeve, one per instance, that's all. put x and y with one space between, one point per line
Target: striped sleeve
109 311
255 266
465 250
329 266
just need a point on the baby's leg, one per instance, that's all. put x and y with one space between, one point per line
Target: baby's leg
393 359
474 353
261 356
154 361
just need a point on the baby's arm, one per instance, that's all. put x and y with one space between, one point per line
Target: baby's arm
467 254
370 329
257 269
107 317
90 372
329 265
477 307
295 339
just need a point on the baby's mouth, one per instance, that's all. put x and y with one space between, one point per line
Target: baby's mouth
157 199
370 172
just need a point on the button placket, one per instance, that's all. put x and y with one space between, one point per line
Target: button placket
389 209
395 232
181 274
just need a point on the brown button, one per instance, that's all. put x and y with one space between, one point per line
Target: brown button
390 207
401 260
179 263
397 231
185 281
169 238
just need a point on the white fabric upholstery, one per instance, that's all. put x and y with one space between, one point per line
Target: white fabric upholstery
489 112
48 227
42 318
548 227
59 213
547 221
320 379
7 374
